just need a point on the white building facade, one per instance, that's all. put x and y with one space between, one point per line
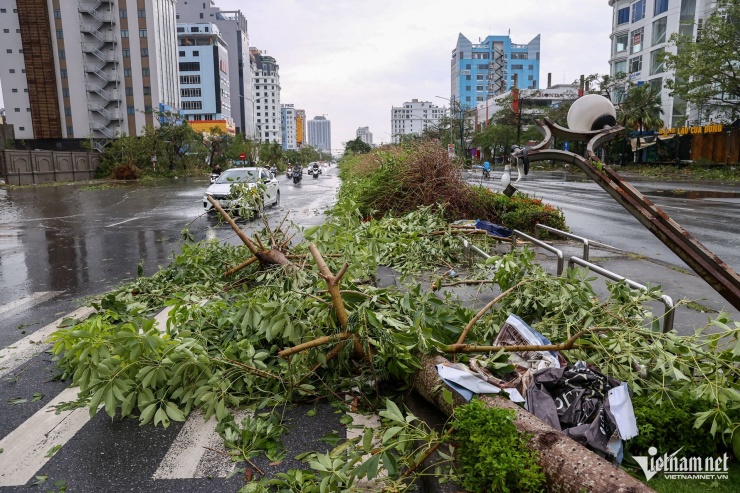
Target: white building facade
232 26
205 92
641 32
267 97
288 127
414 117
319 133
88 68
365 135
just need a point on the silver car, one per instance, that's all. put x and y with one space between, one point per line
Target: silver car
221 189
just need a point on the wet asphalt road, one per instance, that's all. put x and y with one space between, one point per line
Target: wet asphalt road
707 211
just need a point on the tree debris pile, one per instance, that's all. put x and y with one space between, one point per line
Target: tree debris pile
399 180
272 334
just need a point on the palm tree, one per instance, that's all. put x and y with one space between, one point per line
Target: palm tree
642 109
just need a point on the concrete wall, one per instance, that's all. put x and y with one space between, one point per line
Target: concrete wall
31 167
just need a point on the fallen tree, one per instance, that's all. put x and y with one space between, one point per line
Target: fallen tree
568 466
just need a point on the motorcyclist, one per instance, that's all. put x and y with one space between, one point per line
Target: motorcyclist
216 170
486 169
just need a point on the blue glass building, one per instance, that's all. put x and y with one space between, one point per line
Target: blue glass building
487 69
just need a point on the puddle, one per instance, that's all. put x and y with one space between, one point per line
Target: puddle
694 194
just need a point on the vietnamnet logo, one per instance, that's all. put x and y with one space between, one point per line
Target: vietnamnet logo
673 467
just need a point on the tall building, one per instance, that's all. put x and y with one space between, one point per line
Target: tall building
641 31
319 133
205 92
300 127
288 127
365 135
414 117
232 26
267 97
487 69
88 68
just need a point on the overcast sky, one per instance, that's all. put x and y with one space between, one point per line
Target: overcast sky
352 60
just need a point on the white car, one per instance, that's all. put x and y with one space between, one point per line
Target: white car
221 189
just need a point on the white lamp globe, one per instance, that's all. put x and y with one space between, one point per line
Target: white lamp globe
591 112
506 177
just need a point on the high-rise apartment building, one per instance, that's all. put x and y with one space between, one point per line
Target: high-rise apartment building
641 31
267 97
288 127
319 133
487 69
205 92
300 127
87 68
365 135
414 117
232 26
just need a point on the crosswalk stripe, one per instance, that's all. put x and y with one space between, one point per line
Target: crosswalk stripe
25 349
26 449
189 455
33 299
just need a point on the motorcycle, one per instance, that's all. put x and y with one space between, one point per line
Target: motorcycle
297 174
486 174
214 177
289 173
315 171
274 171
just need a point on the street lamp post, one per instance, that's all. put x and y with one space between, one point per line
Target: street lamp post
452 106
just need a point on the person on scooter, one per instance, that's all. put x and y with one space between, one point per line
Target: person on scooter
216 170
486 170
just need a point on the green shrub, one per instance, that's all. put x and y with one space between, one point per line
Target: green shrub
491 454
669 427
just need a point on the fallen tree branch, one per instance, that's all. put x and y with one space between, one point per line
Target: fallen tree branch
565 346
568 466
484 310
458 283
427 454
320 341
249 369
240 266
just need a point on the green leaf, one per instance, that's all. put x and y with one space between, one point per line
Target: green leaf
37 397
53 450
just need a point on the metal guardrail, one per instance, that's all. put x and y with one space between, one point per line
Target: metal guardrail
467 247
541 244
586 245
668 313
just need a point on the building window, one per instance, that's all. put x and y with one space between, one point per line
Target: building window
196 53
620 67
126 53
17 110
192 105
142 33
124 33
189 66
638 10
190 79
9 50
62 54
530 77
123 13
181 53
145 52
3 11
14 90
517 67
65 92
635 64
63 73
130 110
636 38
478 88
623 16
129 91
191 92
482 66
467 67
6 31
147 91
479 77
468 77
657 84
145 71
620 42
660 6
20 128
659 30
656 61
70 131
60 34
127 72
67 111
142 13
180 29
57 14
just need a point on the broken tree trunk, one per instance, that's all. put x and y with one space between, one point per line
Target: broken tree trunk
568 466
272 257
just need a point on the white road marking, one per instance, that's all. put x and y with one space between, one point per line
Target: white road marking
24 350
188 456
31 300
26 448
126 221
